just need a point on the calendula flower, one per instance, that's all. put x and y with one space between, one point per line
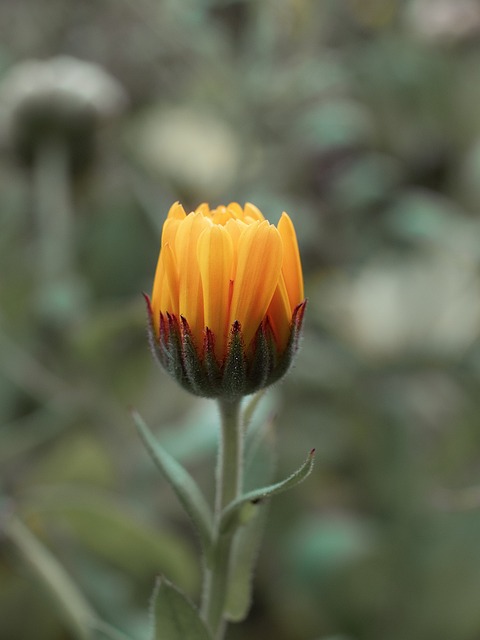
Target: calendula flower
227 303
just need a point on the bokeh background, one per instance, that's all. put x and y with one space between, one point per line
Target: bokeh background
361 119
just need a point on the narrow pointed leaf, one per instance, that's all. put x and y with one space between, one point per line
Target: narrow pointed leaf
233 513
175 617
181 482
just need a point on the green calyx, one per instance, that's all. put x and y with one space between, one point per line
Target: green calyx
243 371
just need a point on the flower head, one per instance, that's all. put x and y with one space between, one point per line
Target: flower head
227 302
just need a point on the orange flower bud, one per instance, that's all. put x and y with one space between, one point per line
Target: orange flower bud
227 303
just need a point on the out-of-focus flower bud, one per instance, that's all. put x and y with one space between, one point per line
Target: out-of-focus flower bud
62 98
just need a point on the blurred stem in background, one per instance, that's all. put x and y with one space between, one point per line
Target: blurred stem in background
78 615
51 113
55 223
228 488
74 609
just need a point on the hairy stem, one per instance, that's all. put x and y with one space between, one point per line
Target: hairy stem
228 487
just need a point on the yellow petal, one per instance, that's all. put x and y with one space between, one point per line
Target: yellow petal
236 210
291 265
203 208
253 212
189 283
235 229
220 215
169 231
176 212
257 273
215 259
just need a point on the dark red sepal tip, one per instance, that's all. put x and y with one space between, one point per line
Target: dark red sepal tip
208 340
235 327
299 312
148 303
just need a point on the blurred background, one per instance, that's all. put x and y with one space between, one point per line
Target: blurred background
360 118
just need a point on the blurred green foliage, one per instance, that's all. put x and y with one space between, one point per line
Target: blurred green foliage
359 118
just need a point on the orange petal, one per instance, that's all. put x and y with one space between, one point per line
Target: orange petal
171 276
215 259
189 283
280 314
291 265
235 229
160 294
258 269
157 290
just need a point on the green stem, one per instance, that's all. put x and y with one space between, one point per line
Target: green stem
228 488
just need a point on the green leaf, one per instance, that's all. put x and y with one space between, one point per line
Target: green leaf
244 556
175 617
115 532
104 631
234 513
181 482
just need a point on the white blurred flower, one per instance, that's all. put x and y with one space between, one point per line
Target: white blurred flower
61 97
62 80
429 305
194 150
444 20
